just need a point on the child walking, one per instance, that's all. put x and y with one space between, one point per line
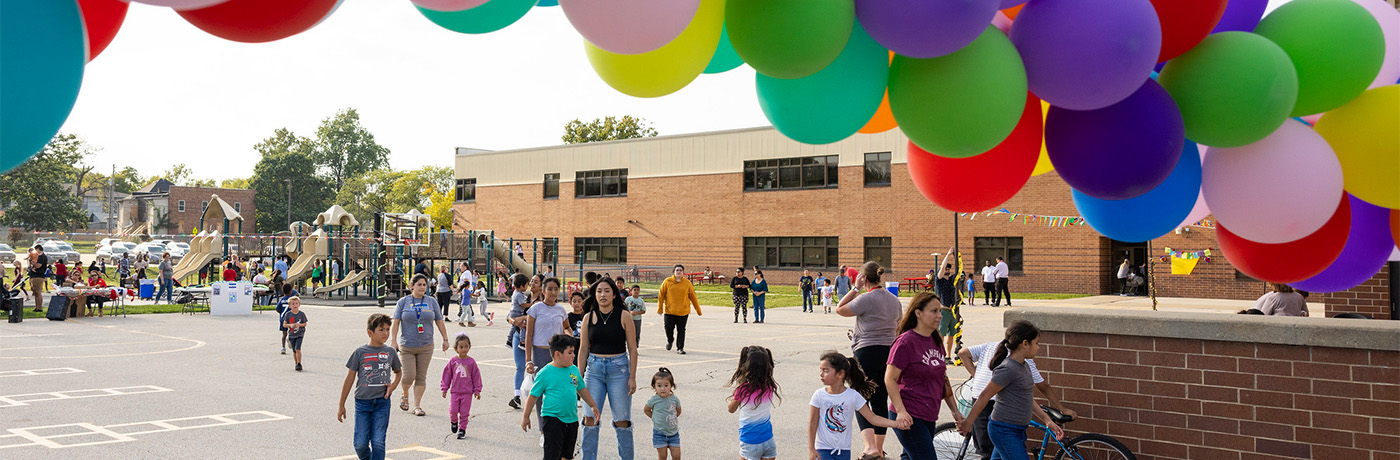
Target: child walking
664 408
555 389
369 374
754 391
1012 385
834 407
463 378
827 289
295 323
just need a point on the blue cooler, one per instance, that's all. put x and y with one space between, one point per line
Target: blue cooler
148 288
893 287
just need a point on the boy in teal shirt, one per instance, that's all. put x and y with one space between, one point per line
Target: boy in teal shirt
557 387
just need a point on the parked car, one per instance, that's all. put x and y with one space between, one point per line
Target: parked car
163 242
152 250
72 254
177 247
107 241
112 253
46 240
54 251
7 253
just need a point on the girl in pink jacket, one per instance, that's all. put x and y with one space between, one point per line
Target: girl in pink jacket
463 379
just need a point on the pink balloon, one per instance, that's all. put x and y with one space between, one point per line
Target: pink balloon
1277 190
1001 22
449 5
1200 211
629 26
1389 20
181 4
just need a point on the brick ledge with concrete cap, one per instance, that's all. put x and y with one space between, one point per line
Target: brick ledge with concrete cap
1283 330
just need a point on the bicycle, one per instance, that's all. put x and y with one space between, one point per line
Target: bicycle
949 444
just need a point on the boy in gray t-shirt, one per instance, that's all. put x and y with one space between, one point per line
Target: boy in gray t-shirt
369 367
295 321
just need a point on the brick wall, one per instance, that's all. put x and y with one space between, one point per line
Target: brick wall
194 196
1371 298
1229 396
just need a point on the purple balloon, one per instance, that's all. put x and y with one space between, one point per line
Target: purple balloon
1368 246
1010 3
1241 15
1087 54
923 28
1120 151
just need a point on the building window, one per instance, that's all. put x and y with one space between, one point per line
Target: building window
551 186
181 204
877 249
551 248
466 190
791 173
605 182
203 206
877 170
791 252
601 250
238 206
990 247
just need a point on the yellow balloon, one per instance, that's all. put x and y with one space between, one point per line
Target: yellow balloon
1043 165
1365 133
668 68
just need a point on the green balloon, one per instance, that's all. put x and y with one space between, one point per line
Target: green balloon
789 38
489 17
725 59
1335 45
962 104
834 103
1233 88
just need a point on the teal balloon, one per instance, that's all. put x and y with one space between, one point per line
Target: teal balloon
725 59
43 49
962 104
548 3
834 103
489 17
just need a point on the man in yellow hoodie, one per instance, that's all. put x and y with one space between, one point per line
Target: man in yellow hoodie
674 302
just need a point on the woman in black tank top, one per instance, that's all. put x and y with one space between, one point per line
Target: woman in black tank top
608 361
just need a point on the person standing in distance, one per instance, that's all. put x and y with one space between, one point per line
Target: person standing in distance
989 285
1003 275
674 302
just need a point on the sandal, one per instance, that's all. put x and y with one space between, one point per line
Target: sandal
403 405
418 411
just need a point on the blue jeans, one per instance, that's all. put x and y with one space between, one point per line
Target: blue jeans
759 307
607 380
833 454
917 440
371 424
806 300
519 354
1008 441
167 287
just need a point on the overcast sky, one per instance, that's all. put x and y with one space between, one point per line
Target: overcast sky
166 92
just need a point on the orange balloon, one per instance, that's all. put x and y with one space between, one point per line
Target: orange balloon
1013 11
883 120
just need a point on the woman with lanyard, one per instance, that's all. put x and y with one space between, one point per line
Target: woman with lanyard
608 361
876 310
412 335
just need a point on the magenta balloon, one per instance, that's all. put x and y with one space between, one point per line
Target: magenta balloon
629 26
1368 246
923 28
1087 54
448 5
1280 189
1120 151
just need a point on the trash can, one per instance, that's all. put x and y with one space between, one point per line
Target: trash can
893 287
148 288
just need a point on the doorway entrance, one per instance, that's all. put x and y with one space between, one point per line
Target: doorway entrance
1136 253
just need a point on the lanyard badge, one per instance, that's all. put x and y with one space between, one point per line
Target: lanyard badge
418 315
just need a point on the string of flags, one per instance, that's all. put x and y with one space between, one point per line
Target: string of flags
1203 254
1058 221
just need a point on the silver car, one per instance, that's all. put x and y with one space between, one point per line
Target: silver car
7 253
55 252
111 253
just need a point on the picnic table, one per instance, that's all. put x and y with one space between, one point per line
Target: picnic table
915 284
699 277
79 294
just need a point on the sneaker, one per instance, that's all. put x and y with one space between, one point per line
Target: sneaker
471 324
682 352
668 346
462 434
298 367
746 321
454 427
514 403
284 350
736 321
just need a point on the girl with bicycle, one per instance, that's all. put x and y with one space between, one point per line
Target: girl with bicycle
1013 386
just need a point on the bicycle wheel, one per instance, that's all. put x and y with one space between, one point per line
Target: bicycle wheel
951 445
1094 446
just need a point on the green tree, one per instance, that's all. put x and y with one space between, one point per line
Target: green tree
607 129
236 183
177 175
35 193
203 183
385 190
287 156
344 149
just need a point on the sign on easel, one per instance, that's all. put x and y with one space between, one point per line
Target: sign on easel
231 298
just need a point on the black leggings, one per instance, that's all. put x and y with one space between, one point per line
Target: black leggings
873 360
444 300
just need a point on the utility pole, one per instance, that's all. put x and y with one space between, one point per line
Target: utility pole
111 202
289 202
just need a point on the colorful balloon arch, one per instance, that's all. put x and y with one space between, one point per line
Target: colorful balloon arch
1155 112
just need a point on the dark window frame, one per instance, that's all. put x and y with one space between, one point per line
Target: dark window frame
1010 247
465 190
876 244
599 247
600 183
792 252
875 160
551 179
792 173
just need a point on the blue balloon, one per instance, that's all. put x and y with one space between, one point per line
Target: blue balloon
1152 214
41 70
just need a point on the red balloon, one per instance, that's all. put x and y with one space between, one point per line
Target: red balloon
1292 261
1185 23
102 19
1395 226
961 185
258 21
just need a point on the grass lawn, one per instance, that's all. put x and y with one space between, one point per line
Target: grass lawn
780 296
29 312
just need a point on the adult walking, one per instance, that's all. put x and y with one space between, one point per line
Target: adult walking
444 290
918 373
1124 270
760 296
674 302
608 361
38 275
805 283
167 279
740 285
989 284
412 335
519 302
875 310
843 283
1003 276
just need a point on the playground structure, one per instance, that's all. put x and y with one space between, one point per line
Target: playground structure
209 245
